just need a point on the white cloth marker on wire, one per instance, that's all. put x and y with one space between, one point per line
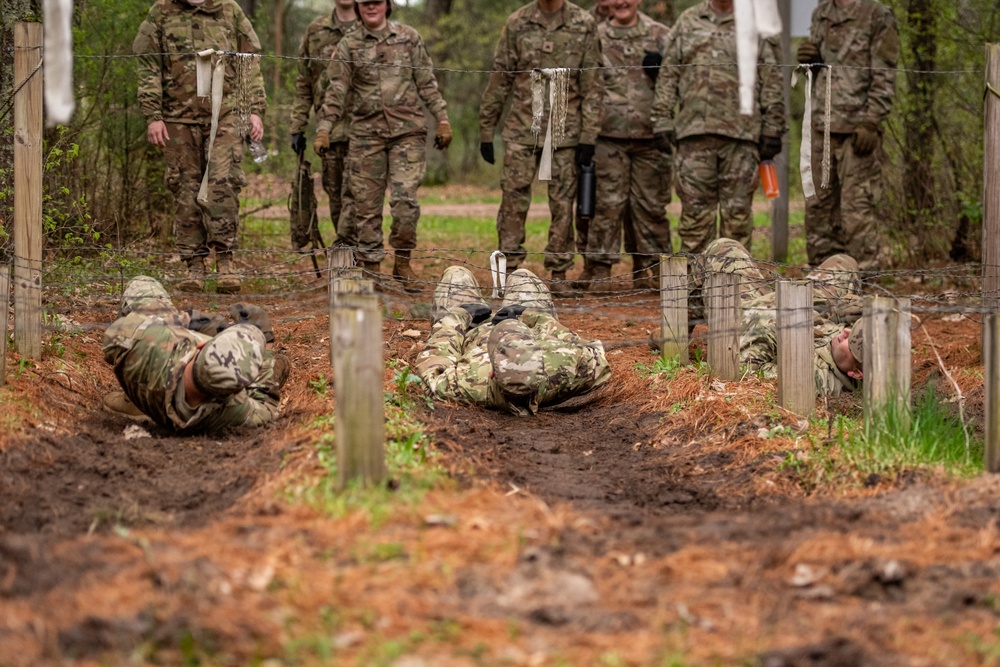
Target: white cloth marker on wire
498 269
58 80
558 79
211 75
805 149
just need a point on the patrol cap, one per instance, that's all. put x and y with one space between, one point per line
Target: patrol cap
518 367
388 6
856 341
228 363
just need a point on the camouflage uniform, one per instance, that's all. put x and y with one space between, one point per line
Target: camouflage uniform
318 44
528 41
633 177
717 153
518 365
388 73
836 284
861 44
149 345
166 45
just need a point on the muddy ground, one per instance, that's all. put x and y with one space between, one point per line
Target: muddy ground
654 526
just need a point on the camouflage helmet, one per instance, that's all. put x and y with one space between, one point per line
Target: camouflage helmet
228 363
856 341
388 7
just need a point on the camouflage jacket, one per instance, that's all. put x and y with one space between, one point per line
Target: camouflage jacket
389 73
528 42
697 91
457 363
173 32
318 44
861 44
628 93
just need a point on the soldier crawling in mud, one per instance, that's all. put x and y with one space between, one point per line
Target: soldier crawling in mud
519 360
191 372
203 174
839 349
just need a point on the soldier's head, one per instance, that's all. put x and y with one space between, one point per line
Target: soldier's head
847 348
604 7
624 12
373 13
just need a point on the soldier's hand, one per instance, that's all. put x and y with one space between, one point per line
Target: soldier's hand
808 53
254 315
298 143
651 62
584 154
508 313
769 147
210 324
442 138
157 134
322 142
486 150
256 128
479 312
866 138
664 142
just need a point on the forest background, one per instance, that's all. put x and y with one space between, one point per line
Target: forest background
104 182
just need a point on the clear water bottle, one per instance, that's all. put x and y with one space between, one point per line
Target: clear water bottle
257 150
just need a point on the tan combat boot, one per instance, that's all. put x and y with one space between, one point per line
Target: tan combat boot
227 281
120 404
402 272
194 278
600 278
582 283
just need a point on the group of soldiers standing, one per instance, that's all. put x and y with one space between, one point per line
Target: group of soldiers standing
651 107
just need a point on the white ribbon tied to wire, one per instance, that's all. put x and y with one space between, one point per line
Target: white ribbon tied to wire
59 102
805 150
211 76
755 20
558 80
498 269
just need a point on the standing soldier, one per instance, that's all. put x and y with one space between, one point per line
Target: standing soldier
385 68
542 34
180 121
859 41
318 44
697 107
633 173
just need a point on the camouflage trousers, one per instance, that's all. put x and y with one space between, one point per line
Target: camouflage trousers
149 346
715 176
213 224
517 365
520 164
633 181
303 201
373 164
842 218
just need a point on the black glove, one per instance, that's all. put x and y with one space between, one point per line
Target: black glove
808 53
480 312
651 64
664 142
210 324
254 315
298 143
486 150
508 313
769 147
584 154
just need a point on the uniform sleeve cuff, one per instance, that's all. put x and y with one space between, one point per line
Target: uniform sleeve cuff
486 136
588 138
324 125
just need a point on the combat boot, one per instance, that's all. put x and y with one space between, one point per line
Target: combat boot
120 404
282 369
582 283
402 272
194 278
600 278
227 282
558 283
372 271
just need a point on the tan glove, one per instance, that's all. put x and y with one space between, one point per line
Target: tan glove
322 142
442 138
866 136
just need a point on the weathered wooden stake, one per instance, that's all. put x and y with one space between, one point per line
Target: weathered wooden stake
991 188
991 359
674 308
341 261
887 360
722 305
4 312
358 383
796 385
28 189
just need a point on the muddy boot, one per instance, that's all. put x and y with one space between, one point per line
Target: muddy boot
194 278
402 272
227 282
582 283
118 403
558 283
373 272
282 369
600 279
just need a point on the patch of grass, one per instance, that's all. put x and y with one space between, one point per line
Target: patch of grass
670 367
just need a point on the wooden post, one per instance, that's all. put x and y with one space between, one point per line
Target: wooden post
991 357
779 205
794 325
674 308
4 312
340 262
340 258
723 308
28 189
887 360
358 382
991 189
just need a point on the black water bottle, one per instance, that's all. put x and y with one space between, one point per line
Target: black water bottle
586 192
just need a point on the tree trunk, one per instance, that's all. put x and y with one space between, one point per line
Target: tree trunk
279 49
436 9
